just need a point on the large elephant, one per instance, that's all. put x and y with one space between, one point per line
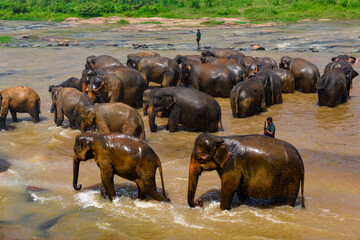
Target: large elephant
231 64
341 61
266 60
162 70
186 58
19 100
287 80
143 54
214 80
112 117
306 74
195 110
123 155
248 97
221 53
253 166
273 93
102 61
248 63
71 82
122 85
333 88
68 102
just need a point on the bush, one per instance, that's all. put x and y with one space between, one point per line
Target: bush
90 9
195 4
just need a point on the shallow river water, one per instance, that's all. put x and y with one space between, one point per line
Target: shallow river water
41 155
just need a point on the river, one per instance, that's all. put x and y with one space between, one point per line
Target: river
40 155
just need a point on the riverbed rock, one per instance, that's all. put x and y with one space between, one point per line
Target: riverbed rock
257 47
75 43
4 165
63 44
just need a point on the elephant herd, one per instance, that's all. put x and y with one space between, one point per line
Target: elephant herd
106 96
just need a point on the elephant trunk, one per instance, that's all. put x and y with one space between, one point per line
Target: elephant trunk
76 165
194 173
152 115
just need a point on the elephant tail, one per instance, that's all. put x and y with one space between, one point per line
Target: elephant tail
0 101
221 126
161 176
302 193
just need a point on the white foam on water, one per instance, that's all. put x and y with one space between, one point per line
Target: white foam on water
182 179
283 45
146 204
43 200
88 199
65 133
179 219
268 217
104 226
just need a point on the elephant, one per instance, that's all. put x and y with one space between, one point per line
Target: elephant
287 80
19 100
186 58
126 156
341 61
102 61
161 70
143 54
266 60
253 166
112 117
217 81
273 92
221 53
195 110
248 63
248 97
68 102
231 64
333 88
121 85
71 82
306 74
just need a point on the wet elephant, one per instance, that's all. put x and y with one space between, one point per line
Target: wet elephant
121 85
221 53
195 110
231 64
112 117
266 60
186 58
305 73
287 80
333 88
68 102
123 155
253 166
71 82
102 61
143 54
248 63
161 70
19 100
273 93
248 97
217 81
341 61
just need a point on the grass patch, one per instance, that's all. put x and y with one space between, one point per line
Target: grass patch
240 22
151 23
212 23
5 39
123 22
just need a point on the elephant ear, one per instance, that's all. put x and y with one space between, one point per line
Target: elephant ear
169 101
90 113
334 59
222 153
55 93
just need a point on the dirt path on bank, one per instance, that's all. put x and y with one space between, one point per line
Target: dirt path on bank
165 24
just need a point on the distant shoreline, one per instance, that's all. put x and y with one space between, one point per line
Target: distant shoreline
168 24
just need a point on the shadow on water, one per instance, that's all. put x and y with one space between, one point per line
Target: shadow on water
4 165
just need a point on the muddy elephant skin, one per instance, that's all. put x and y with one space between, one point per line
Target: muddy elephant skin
252 166
112 117
123 155
19 100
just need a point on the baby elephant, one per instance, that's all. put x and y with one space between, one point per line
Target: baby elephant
19 99
112 117
123 155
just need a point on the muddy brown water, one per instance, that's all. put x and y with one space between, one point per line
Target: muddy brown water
41 155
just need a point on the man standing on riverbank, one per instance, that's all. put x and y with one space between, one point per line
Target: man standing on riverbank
198 38
270 129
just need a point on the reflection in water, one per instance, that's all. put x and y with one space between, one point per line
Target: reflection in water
41 155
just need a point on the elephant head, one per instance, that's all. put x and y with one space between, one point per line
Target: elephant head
90 62
85 78
133 61
87 118
159 101
285 62
82 152
209 153
96 87
185 73
54 95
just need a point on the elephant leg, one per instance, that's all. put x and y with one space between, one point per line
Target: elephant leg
149 187
59 117
141 194
102 190
292 193
73 124
107 178
102 127
174 119
228 188
13 115
34 115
